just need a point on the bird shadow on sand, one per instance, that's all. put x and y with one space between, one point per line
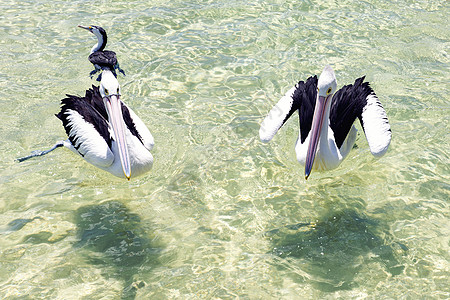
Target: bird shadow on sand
116 241
333 250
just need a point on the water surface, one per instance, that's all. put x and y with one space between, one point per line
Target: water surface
222 215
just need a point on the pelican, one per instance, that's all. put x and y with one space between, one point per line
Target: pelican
104 131
327 133
99 57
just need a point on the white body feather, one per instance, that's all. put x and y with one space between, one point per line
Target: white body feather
94 149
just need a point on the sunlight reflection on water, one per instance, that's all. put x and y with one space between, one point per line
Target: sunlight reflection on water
221 214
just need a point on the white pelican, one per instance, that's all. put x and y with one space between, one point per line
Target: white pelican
100 58
326 117
104 131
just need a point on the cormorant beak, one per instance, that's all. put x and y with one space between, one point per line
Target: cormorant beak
318 118
86 27
114 108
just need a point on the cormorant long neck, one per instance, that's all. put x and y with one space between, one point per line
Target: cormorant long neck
102 39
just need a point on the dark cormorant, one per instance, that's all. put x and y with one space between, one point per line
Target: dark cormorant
100 58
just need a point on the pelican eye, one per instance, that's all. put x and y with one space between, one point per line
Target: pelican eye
118 91
106 92
329 91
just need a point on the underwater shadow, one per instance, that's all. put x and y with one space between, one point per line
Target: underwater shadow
117 241
16 225
333 250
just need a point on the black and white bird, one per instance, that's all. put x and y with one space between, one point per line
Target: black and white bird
104 131
327 133
99 57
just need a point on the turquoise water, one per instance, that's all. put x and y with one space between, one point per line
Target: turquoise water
222 215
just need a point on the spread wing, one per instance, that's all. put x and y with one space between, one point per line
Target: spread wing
301 98
84 119
358 100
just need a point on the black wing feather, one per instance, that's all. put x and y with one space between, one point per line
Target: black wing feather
305 95
92 110
129 122
347 105
104 59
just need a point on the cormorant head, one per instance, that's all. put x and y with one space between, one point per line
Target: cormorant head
100 33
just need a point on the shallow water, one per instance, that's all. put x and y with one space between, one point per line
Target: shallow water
222 215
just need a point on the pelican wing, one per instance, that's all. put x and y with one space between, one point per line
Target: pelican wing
137 127
376 126
302 98
358 100
347 105
87 128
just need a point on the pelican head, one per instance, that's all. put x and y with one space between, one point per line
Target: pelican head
110 92
100 33
326 87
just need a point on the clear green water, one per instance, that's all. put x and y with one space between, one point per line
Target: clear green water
222 215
